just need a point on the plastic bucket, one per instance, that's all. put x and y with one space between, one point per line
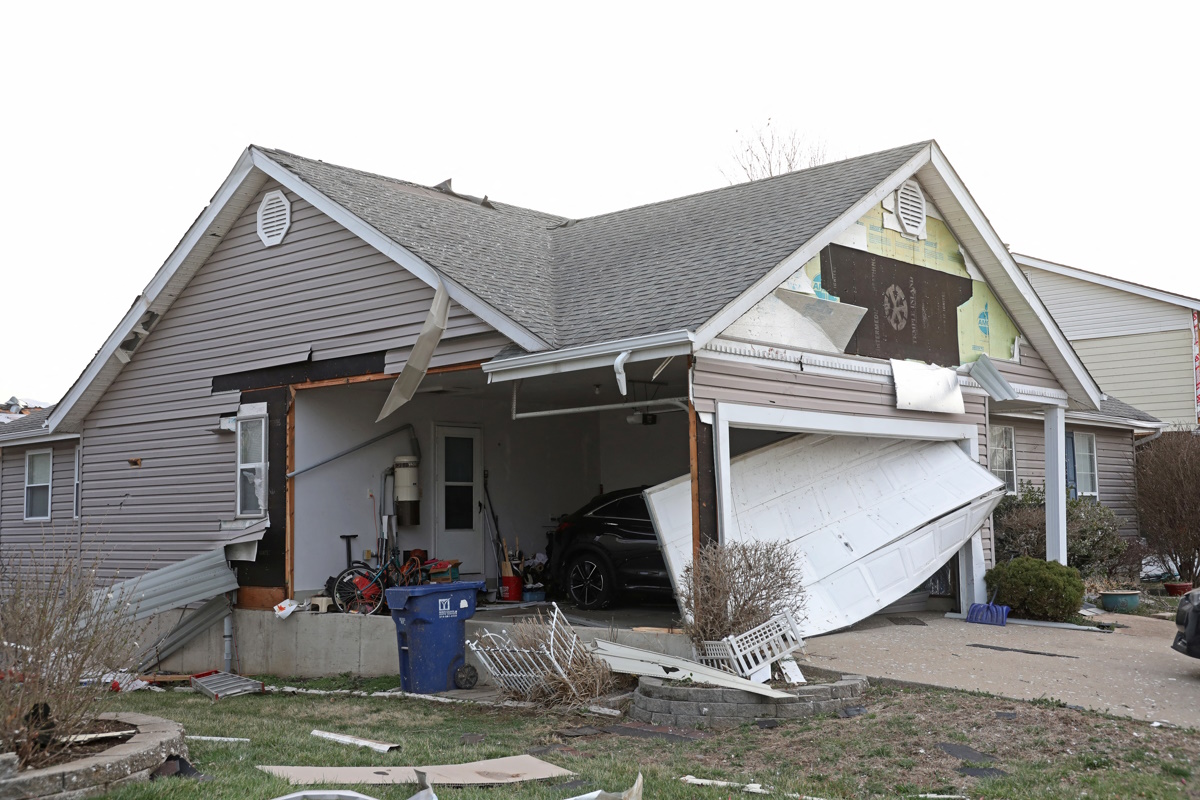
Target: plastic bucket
510 589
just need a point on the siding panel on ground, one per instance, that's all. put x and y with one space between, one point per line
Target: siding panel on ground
1154 372
322 291
721 380
1114 462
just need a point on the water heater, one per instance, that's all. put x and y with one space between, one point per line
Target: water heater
407 491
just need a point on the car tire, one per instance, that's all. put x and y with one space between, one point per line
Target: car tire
589 582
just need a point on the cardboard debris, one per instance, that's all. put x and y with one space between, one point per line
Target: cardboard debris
513 769
371 744
632 793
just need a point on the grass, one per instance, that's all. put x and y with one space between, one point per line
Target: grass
1048 751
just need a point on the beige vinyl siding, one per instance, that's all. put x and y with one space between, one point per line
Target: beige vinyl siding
321 291
720 380
1086 310
1030 370
17 535
1154 372
1114 464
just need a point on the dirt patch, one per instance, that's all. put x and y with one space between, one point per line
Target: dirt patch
74 752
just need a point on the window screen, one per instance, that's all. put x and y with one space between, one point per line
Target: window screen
1002 456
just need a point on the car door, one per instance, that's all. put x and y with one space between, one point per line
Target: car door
632 543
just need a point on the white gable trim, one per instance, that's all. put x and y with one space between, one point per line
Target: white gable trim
401 255
1112 283
769 282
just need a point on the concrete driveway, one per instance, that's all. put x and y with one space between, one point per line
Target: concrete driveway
1132 672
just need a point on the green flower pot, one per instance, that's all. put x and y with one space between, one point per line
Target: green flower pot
1120 602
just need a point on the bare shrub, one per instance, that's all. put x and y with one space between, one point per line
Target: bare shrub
1168 494
733 588
1094 544
53 648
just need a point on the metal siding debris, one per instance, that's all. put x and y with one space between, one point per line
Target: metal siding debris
925 387
189 581
219 685
634 661
985 373
189 628
370 744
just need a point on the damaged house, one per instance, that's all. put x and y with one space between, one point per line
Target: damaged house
845 357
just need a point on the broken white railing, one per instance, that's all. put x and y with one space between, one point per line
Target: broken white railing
752 653
522 670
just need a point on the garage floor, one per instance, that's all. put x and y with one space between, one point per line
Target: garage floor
1132 672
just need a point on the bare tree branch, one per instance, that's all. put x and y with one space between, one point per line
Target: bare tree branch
768 151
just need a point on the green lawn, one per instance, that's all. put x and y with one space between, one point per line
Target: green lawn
892 751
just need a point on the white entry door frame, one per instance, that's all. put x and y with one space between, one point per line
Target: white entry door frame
458 489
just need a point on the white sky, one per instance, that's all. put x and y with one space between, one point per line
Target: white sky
1073 125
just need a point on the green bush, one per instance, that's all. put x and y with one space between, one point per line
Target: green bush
1094 546
1036 589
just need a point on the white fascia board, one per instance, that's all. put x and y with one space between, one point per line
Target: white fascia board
589 356
37 439
155 287
957 188
401 255
768 283
1089 420
1104 280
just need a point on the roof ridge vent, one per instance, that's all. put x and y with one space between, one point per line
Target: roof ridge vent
910 209
274 218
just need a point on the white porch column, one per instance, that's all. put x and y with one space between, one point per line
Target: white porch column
724 484
971 568
1056 484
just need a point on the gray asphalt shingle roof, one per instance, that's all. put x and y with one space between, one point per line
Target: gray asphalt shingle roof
1112 407
658 267
28 425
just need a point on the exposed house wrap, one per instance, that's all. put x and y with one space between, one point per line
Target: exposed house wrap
869 519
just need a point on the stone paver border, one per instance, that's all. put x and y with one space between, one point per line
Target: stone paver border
133 761
686 706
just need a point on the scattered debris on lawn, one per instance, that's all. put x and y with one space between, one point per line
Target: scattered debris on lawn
851 711
751 654
1019 650
122 681
634 661
632 793
218 685
1006 715
179 767
604 711
748 788
227 739
512 769
544 661
767 724
643 730
981 772
370 744
84 738
473 738
964 753
571 733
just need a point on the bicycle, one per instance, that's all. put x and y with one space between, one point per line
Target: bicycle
359 589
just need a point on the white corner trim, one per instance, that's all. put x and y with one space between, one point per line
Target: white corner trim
980 222
1111 283
396 252
588 356
765 285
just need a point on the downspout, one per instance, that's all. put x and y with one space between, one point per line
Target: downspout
619 369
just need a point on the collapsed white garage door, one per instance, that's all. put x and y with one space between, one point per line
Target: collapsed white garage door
869 519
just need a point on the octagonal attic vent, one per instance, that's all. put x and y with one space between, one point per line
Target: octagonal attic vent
274 218
910 208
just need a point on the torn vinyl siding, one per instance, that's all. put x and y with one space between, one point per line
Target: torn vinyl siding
724 380
1154 372
1030 370
1087 310
1114 464
461 350
60 531
321 291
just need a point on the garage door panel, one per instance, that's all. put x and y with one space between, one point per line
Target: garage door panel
872 517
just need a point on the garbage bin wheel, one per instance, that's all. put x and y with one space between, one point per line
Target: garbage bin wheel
465 677
590 581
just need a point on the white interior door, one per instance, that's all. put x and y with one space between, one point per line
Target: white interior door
458 525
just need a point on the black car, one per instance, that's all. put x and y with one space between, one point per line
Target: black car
608 547
1187 620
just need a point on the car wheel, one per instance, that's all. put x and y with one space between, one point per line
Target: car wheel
589 582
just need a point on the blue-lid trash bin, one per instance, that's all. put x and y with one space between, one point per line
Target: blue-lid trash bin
431 632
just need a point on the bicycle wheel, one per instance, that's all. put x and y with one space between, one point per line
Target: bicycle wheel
355 591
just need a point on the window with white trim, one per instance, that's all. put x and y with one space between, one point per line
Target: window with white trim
1087 482
38 468
78 458
252 466
1002 455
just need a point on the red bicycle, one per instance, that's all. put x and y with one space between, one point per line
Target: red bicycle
359 589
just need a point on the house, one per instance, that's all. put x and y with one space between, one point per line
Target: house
16 407
1141 344
332 356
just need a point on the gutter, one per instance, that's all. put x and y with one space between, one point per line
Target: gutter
39 439
589 356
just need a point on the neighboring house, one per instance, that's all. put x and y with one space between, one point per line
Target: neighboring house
1141 344
241 390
